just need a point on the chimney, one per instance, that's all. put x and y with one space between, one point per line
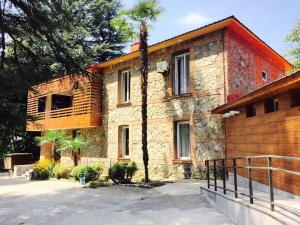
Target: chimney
135 46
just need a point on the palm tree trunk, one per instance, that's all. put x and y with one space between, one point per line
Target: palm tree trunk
75 158
143 48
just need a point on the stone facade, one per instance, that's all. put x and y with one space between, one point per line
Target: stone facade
219 65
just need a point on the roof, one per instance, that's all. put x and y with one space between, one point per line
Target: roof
230 22
276 87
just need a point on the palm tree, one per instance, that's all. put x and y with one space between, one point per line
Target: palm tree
143 12
53 137
74 144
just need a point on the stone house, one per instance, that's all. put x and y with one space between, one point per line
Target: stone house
189 75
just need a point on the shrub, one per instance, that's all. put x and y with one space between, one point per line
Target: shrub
62 171
122 173
43 169
89 172
99 166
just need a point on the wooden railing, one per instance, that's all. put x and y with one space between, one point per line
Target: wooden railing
86 98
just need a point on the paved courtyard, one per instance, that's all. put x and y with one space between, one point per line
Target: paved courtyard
64 202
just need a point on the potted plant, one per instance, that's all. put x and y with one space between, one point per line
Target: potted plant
82 178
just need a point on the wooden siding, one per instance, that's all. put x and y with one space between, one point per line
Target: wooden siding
276 133
85 110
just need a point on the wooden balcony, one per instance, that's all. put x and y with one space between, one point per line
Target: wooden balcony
84 109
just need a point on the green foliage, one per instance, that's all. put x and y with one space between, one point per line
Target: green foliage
51 136
43 169
122 172
62 171
89 172
74 144
42 39
144 11
99 166
294 40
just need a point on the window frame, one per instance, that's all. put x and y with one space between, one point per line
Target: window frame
123 141
124 96
179 89
254 110
178 141
267 75
294 98
275 105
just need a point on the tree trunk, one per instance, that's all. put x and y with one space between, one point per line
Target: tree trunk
2 43
75 158
143 49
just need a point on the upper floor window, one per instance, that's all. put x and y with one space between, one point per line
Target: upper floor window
125 86
271 105
60 101
42 104
264 75
295 98
182 130
124 141
250 110
182 74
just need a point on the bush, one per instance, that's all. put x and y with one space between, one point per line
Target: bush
62 171
99 166
89 172
43 169
122 173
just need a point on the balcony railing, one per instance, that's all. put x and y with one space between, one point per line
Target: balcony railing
86 101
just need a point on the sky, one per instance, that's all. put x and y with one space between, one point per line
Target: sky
271 20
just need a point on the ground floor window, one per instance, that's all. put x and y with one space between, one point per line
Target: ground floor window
124 141
182 133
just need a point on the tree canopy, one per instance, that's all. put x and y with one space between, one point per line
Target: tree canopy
40 39
294 40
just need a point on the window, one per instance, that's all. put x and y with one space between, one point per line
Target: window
295 98
125 86
42 104
250 110
182 139
124 141
271 105
264 76
182 74
61 101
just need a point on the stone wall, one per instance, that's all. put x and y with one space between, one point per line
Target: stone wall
245 64
207 92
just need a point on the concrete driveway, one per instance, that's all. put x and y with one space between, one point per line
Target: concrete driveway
63 202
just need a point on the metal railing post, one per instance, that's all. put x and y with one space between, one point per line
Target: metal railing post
250 180
235 178
215 174
207 173
271 183
224 176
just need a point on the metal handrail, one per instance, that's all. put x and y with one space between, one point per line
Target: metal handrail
249 168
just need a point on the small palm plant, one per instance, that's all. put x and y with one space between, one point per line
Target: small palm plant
74 145
53 137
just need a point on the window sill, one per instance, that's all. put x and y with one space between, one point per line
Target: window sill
122 159
182 161
186 95
126 104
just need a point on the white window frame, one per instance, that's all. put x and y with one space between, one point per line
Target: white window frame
125 96
267 75
185 76
123 141
178 141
